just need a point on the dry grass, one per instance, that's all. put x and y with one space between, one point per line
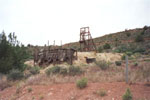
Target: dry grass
141 73
109 57
29 63
37 79
4 83
93 73
101 92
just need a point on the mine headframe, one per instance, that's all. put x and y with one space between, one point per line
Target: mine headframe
86 41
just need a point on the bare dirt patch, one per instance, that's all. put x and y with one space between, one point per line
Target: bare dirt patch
69 91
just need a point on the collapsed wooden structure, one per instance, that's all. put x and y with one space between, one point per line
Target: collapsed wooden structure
55 56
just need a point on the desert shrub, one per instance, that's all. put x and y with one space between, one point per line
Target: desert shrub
101 92
18 89
41 97
27 74
102 64
139 38
74 47
106 46
100 49
48 71
129 53
82 83
35 70
29 89
15 75
53 70
145 27
135 64
118 63
121 49
142 33
128 34
74 70
63 71
123 57
127 95
4 83
129 50
139 50
35 79
146 71
27 67
116 50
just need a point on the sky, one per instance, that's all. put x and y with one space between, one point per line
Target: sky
37 21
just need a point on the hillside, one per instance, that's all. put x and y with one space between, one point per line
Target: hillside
100 77
127 37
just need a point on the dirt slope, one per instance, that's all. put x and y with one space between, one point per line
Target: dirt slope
69 91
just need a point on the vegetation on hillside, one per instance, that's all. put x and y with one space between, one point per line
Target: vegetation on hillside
127 95
12 53
131 40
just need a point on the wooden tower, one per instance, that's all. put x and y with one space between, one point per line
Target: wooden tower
86 41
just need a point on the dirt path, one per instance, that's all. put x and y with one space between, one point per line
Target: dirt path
69 91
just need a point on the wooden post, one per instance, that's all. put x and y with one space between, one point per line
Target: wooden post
61 43
126 69
48 43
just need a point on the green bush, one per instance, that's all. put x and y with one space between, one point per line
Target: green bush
53 70
35 70
118 63
48 71
29 89
142 33
102 64
63 71
146 72
135 64
106 46
121 49
12 53
128 34
130 49
82 83
145 27
100 49
27 67
102 93
73 70
4 83
127 95
139 38
15 75
129 53
123 57
139 50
